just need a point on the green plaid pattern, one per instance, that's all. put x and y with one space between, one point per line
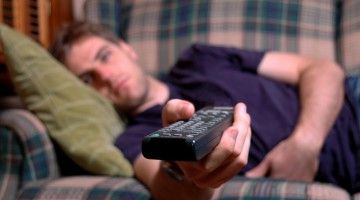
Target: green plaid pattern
160 30
85 187
350 36
244 188
26 153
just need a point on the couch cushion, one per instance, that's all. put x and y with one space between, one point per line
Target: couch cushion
79 187
261 188
160 30
350 36
85 187
81 121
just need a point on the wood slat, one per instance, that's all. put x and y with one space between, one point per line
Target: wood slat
27 16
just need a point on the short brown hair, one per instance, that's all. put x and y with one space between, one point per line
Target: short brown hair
71 33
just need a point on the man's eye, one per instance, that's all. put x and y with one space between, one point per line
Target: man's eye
87 78
104 57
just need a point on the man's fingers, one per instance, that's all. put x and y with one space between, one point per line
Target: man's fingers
221 175
242 124
244 155
176 110
232 142
228 157
217 157
222 151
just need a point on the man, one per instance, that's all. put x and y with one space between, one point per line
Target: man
302 129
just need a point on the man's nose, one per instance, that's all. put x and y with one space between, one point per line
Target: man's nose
103 73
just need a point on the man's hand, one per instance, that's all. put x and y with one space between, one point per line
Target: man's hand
200 177
228 157
292 159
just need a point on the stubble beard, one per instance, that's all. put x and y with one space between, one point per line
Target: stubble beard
131 106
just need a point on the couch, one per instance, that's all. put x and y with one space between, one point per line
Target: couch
32 165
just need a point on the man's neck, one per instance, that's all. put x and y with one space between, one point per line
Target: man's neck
158 94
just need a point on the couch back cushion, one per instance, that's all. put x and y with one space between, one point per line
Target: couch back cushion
350 36
160 30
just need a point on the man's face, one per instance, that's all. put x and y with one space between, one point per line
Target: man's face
112 69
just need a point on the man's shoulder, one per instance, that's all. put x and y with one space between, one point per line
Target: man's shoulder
210 54
205 48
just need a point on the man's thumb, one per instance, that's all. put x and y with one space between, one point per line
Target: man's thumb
175 110
259 171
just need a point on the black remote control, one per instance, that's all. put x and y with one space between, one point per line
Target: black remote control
189 140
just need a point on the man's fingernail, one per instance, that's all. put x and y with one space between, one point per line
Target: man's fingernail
243 108
187 107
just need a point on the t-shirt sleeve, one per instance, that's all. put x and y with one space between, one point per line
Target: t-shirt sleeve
130 141
248 60
200 55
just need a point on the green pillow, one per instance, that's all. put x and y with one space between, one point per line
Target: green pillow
81 121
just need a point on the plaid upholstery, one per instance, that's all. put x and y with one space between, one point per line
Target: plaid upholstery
160 29
243 188
10 163
88 187
85 187
105 12
350 37
26 153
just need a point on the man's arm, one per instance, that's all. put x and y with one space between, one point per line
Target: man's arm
202 179
321 94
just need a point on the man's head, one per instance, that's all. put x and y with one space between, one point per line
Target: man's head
108 64
73 32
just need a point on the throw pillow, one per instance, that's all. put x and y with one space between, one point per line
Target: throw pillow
81 121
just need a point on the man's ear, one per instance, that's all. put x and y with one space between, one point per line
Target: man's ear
127 48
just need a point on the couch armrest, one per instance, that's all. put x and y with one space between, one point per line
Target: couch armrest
26 152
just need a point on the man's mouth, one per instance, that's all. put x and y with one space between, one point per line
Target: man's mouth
120 84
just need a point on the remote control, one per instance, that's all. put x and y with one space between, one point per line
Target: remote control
189 140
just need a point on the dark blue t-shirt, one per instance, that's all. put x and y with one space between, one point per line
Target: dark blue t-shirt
210 75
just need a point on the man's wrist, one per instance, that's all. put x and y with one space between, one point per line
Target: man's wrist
312 140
